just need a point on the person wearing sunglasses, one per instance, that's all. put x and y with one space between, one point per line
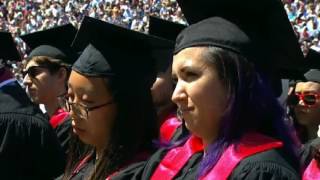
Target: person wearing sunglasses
304 105
29 146
46 72
109 99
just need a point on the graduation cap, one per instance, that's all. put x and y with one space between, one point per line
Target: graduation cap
312 60
265 23
54 43
313 66
309 72
8 49
167 30
310 67
111 50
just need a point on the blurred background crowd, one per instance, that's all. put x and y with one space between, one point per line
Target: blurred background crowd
27 16
304 16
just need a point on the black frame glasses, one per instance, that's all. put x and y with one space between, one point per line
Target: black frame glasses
309 99
32 71
78 109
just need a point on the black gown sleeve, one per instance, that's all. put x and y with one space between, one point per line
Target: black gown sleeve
307 150
63 132
269 165
145 170
133 172
29 148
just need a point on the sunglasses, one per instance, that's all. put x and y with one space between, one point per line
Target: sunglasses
309 99
32 71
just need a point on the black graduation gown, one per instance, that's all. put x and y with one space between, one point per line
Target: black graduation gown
262 166
85 171
306 154
63 132
29 148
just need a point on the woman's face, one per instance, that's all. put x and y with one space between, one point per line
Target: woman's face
199 93
308 115
41 85
91 92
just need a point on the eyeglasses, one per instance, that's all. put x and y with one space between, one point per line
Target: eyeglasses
32 71
78 109
309 99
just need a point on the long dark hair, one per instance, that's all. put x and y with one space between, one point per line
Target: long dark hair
252 106
134 129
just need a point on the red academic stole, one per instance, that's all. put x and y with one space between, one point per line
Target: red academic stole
312 172
176 158
250 144
169 127
59 116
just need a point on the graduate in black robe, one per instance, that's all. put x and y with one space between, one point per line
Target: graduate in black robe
238 34
51 50
109 99
254 167
307 124
29 148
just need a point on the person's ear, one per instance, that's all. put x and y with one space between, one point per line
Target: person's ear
62 74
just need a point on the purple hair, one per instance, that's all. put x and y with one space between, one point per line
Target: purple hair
252 106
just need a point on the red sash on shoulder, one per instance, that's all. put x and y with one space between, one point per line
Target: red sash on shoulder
250 144
59 116
312 172
169 127
176 158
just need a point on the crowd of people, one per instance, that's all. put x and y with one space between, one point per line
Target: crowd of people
164 101
27 16
304 16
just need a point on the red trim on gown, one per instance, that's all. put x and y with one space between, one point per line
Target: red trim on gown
58 117
312 172
142 156
168 127
176 158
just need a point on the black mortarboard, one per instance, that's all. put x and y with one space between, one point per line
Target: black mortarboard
267 27
312 60
54 43
309 72
8 49
117 51
313 75
215 31
167 30
219 32
313 65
